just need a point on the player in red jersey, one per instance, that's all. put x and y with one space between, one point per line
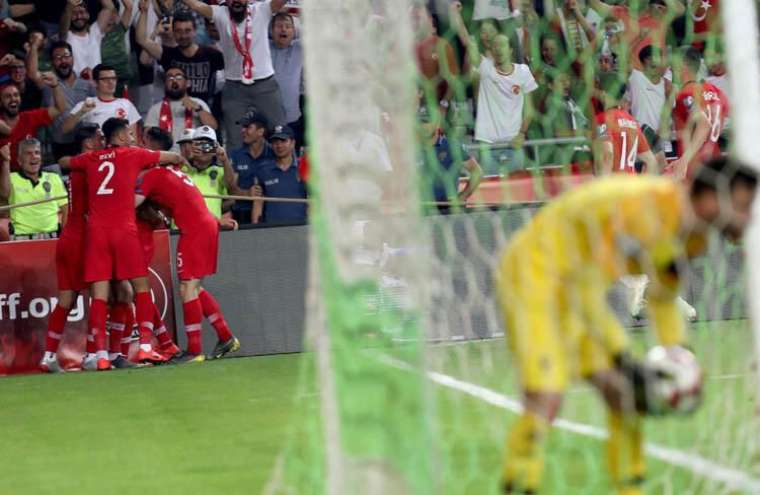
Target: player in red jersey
618 140
197 252
69 252
699 116
148 220
113 249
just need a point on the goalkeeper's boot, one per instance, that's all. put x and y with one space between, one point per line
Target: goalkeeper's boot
90 362
50 364
187 357
687 310
222 348
122 363
169 350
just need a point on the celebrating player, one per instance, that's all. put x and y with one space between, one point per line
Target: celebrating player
619 140
699 116
69 252
113 249
196 257
553 280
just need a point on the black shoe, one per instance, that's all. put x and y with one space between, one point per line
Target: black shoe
185 357
222 348
123 363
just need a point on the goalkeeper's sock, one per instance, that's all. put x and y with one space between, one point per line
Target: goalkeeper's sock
56 322
193 319
524 461
144 314
214 315
126 337
625 452
117 326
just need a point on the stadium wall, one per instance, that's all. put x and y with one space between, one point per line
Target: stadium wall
261 283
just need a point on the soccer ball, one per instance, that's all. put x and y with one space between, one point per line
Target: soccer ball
676 386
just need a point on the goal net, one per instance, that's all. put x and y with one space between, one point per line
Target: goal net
408 385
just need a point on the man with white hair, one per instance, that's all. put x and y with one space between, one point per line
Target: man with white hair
30 183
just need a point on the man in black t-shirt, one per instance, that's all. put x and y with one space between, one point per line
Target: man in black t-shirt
199 63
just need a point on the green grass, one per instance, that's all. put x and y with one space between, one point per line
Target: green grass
219 427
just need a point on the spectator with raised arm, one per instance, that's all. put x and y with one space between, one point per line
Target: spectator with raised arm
105 106
287 59
645 23
31 94
25 124
85 37
178 110
243 26
505 109
203 65
30 183
74 88
114 45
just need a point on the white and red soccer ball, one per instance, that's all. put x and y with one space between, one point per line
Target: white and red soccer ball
679 379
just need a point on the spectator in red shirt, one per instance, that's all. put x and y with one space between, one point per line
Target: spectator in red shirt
24 125
436 59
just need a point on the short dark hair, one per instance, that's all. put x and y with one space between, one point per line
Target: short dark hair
60 44
283 15
176 66
721 172
612 85
647 53
112 126
164 139
691 57
101 68
86 131
183 16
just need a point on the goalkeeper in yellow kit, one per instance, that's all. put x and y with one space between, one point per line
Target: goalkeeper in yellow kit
553 280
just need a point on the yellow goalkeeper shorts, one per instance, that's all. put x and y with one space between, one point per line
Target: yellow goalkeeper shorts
550 337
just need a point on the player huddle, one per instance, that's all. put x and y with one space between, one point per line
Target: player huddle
106 246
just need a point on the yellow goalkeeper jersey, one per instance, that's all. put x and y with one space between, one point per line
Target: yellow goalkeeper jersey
589 237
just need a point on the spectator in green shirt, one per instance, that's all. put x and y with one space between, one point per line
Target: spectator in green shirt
113 48
29 184
208 174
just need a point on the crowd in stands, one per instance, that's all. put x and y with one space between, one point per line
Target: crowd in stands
531 70
494 74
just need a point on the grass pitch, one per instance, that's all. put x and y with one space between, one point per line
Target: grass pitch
219 427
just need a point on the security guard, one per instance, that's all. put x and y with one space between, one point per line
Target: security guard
204 171
30 183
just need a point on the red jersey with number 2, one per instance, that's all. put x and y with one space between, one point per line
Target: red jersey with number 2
621 129
111 178
701 97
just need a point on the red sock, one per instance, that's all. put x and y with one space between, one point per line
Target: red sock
117 327
98 313
56 322
214 315
126 337
144 317
193 319
162 334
